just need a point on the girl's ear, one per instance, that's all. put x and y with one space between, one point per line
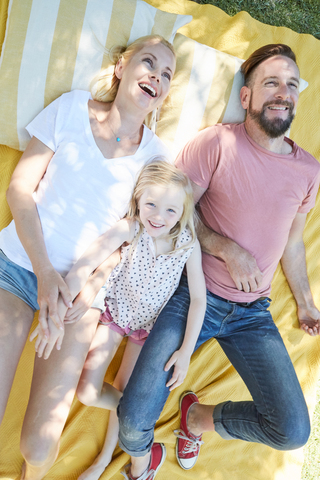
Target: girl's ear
118 69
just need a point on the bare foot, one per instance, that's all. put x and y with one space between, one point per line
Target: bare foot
96 470
199 419
139 465
23 471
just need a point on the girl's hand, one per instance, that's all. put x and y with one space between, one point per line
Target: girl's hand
45 345
181 360
51 286
80 305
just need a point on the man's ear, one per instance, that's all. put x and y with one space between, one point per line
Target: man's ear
245 95
118 69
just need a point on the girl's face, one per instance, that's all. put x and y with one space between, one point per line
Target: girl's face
160 208
146 77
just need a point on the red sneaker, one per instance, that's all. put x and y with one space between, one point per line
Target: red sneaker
188 445
158 455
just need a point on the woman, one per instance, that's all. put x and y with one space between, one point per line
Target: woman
72 183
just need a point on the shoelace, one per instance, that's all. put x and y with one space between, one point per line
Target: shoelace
192 444
147 475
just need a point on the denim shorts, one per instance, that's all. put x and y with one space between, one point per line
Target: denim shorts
23 284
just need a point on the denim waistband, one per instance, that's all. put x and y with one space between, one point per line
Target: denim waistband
241 304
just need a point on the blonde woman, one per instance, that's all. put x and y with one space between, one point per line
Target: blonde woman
73 182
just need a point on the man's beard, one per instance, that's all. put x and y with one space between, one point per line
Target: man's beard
275 127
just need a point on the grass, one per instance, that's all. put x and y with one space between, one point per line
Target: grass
302 16
311 466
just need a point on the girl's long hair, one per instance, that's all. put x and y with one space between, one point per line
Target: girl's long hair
104 86
160 172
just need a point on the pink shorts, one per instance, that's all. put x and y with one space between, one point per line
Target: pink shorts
135 336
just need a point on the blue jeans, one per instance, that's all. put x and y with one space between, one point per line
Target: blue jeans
278 414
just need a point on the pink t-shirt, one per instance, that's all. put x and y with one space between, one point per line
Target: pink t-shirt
252 196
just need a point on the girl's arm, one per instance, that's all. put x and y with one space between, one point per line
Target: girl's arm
198 302
95 282
97 253
25 179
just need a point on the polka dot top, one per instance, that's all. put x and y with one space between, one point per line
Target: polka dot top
141 284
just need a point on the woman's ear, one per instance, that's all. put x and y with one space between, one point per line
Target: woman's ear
118 69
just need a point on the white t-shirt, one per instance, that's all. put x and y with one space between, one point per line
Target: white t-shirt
82 193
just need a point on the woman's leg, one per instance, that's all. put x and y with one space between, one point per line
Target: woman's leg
92 390
15 321
94 472
53 387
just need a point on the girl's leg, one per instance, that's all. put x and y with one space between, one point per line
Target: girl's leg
92 390
130 357
15 321
53 387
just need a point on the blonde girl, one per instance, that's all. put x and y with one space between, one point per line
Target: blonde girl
158 239
73 182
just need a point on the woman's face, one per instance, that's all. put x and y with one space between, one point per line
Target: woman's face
146 77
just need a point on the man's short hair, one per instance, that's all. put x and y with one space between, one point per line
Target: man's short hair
262 54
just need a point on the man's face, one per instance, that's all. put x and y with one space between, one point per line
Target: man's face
274 95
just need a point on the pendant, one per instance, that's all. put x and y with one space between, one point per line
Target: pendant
118 139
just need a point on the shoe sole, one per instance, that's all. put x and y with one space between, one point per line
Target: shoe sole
164 454
177 442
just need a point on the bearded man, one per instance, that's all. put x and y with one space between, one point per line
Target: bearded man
254 188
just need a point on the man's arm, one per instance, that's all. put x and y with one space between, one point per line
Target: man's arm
241 265
295 269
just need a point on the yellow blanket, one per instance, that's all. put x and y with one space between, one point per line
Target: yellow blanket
210 374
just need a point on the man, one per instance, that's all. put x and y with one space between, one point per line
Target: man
254 187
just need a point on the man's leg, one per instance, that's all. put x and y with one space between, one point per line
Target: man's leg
278 415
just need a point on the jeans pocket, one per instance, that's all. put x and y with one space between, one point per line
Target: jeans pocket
262 305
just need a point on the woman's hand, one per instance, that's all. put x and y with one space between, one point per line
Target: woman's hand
51 287
181 360
45 343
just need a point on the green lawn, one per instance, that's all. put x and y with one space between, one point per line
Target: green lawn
302 16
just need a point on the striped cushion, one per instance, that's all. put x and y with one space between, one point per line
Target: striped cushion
205 91
54 46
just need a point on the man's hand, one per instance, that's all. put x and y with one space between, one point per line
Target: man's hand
243 268
241 265
309 319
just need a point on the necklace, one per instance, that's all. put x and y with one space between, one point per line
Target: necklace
118 139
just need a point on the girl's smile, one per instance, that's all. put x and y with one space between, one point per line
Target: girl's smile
160 208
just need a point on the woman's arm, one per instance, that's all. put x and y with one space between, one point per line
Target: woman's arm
25 179
198 302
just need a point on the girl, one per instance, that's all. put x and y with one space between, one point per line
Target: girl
158 239
73 182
